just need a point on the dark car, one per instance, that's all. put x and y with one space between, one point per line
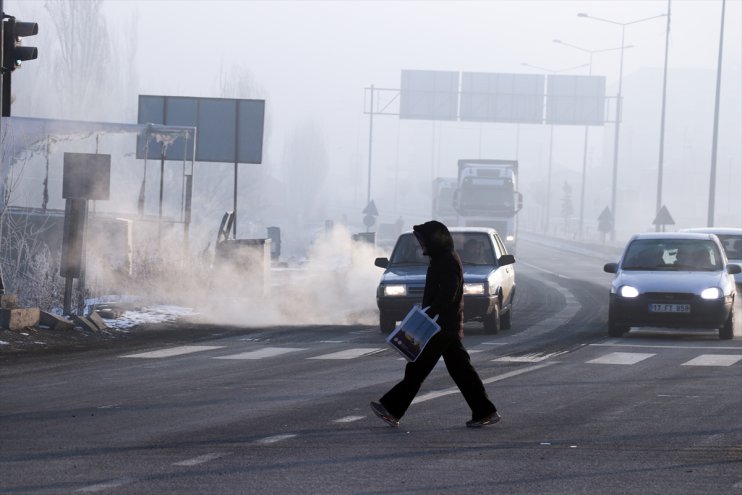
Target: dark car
675 280
489 279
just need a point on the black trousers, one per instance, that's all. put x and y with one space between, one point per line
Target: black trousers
458 364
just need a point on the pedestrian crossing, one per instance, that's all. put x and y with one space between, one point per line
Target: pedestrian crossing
255 352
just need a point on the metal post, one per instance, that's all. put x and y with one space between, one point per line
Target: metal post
162 181
370 145
584 165
548 180
619 106
712 181
236 165
662 118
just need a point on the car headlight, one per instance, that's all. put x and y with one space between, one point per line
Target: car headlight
628 291
473 289
395 290
510 238
711 293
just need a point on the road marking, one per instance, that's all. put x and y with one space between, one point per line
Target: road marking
348 419
350 353
528 358
174 351
714 360
275 439
442 393
99 487
262 353
494 343
612 344
622 358
543 270
200 459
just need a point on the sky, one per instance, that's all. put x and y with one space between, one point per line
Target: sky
313 60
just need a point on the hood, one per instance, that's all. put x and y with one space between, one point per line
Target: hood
435 237
406 274
477 273
680 281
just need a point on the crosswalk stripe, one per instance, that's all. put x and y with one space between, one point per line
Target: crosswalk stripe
622 358
348 419
195 461
173 351
275 439
714 360
262 353
350 353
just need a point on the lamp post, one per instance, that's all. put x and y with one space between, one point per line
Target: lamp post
619 105
587 127
551 142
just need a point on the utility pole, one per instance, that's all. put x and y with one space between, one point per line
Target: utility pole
662 118
712 181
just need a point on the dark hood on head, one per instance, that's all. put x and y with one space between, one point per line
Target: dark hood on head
435 236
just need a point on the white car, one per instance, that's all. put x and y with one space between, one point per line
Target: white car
676 280
731 240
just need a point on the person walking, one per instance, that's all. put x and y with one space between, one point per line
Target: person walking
443 296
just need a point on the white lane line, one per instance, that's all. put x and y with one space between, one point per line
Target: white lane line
612 344
331 341
348 419
622 358
262 353
714 360
108 485
543 270
350 353
275 439
453 390
528 358
200 459
174 351
494 343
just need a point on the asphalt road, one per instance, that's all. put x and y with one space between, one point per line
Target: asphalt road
285 410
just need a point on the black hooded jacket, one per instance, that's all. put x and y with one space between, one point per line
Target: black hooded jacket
444 282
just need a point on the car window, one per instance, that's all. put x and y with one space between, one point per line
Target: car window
500 247
474 248
732 245
408 252
672 254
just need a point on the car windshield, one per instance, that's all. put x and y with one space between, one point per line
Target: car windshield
474 248
408 252
672 255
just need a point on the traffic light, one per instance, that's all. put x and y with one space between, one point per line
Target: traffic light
13 52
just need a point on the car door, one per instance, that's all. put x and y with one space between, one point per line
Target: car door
506 274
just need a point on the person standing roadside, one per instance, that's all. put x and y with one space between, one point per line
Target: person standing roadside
443 296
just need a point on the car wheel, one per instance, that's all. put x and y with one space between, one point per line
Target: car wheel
492 320
386 323
615 330
727 331
505 319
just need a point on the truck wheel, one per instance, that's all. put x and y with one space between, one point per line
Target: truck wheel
492 320
727 331
386 323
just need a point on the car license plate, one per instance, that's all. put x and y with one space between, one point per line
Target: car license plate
669 308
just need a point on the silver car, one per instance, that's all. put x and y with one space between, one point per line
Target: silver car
731 240
676 280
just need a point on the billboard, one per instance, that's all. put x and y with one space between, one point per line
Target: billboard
429 95
228 130
492 97
575 100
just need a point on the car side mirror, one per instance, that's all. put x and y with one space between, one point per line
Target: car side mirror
733 269
610 267
382 262
506 259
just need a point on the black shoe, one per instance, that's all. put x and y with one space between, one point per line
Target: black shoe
381 412
490 419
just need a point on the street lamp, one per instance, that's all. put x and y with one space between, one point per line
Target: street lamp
551 141
584 150
618 106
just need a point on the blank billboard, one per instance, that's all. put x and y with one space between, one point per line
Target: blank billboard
429 95
492 97
575 100
228 130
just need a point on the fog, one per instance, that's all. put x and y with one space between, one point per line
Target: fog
311 62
